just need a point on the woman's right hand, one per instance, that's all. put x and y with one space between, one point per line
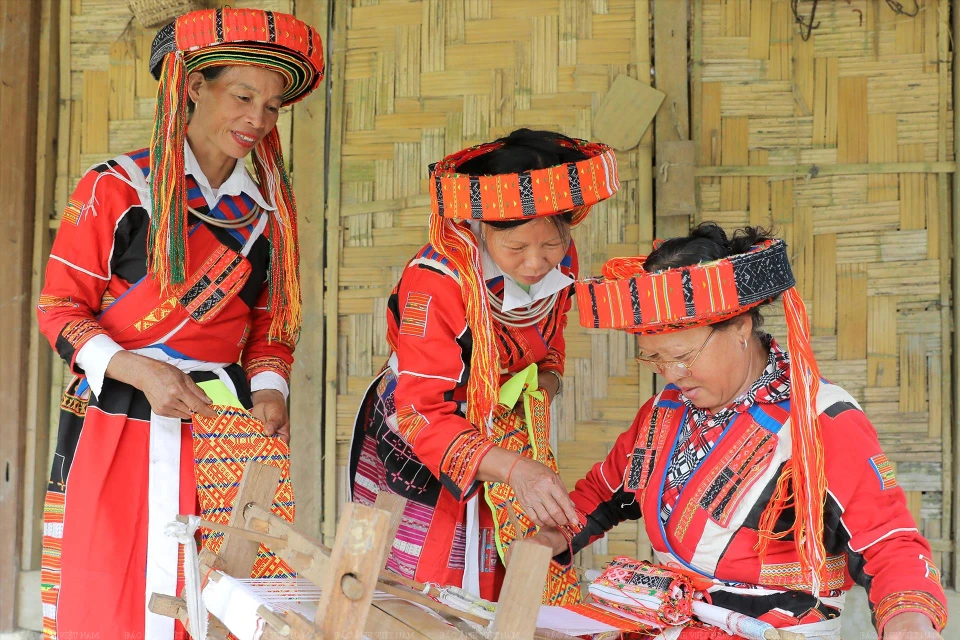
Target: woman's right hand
170 392
541 493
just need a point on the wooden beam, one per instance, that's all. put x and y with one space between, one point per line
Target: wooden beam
338 29
357 553
37 426
521 593
258 486
944 251
819 170
19 62
672 123
306 386
955 391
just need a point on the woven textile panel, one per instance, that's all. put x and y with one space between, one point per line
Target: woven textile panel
424 79
869 90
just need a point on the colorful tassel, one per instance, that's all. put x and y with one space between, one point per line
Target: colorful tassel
167 254
803 484
284 283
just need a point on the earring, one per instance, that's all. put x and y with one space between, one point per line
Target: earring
744 344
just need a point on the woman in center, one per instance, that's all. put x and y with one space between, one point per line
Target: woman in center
484 300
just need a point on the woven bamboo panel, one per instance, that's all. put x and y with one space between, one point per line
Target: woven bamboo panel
423 79
868 88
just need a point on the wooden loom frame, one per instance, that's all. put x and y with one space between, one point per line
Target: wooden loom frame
349 573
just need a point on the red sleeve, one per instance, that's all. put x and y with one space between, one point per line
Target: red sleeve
431 346
78 271
601 494
259 354
886 553
555 360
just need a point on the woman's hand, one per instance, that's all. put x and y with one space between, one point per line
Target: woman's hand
270 408
539 490
170 392
549 383
546 537
910 625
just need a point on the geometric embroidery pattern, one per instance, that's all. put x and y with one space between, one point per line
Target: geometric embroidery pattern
50 560
513 433
268 363
221 448
410 423
77 332
71 213
932 572
156 315
413 322
790 575
884 470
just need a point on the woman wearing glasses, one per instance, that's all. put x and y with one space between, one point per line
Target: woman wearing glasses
748 468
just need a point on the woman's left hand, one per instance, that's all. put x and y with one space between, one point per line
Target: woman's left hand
910 625
549 383
270 408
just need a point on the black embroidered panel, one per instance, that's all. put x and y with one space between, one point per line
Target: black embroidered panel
761 275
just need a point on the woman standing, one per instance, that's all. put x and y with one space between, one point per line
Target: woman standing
171 264
486 299
748 468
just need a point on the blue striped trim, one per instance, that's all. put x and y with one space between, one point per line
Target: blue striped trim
764 419
122 296
170 351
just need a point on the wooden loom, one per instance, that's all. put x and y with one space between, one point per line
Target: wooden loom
349 573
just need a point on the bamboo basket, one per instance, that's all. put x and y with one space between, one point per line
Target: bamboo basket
153 13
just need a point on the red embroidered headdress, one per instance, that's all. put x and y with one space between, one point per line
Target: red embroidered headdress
456 198
225 37
629 298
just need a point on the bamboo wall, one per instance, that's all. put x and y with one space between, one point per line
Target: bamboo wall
868 99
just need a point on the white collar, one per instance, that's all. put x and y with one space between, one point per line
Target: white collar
514 297
238 182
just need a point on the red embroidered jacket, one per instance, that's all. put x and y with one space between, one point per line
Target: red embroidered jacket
869 534
427 330
97 284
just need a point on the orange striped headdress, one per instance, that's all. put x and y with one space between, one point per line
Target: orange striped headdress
226 37
629 298
456 198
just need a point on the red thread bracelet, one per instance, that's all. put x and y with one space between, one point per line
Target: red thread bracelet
519 458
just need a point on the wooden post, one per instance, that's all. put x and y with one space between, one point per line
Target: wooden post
672 123
955 395
522 589
37 427
19 59
358 554
259 485
306 394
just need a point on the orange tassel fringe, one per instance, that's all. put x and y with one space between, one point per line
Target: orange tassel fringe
456 243
167 247
803 483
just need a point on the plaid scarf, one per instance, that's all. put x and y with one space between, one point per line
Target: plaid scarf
702 429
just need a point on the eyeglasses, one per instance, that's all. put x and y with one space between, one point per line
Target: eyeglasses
678 368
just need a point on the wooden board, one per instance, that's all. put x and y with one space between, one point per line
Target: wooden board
626 112
19 55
